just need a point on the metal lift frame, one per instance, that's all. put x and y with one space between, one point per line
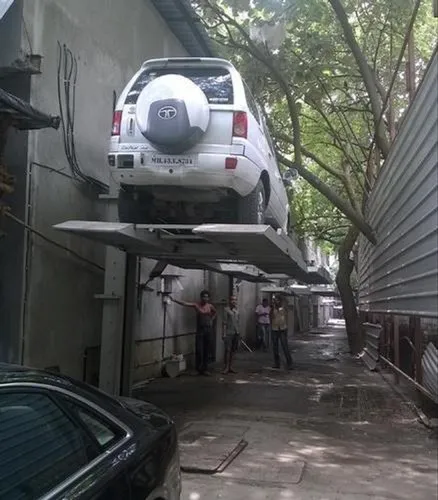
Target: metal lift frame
222 248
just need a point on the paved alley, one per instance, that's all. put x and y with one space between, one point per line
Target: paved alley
327 430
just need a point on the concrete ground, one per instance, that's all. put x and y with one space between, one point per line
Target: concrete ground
328 430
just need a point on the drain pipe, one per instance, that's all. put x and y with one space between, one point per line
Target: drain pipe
163 341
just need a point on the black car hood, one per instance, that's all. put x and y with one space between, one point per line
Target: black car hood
146 411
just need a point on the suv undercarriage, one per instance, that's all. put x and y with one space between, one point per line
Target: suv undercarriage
146 206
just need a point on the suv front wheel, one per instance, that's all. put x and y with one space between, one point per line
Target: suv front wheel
252 208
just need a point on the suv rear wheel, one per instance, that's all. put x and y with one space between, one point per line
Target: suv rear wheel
252 208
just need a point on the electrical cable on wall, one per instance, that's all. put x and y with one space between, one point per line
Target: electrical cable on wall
53 242
67 79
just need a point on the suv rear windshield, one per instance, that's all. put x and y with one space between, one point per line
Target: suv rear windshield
216 83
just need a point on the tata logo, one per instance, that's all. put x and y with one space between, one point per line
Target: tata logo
167 112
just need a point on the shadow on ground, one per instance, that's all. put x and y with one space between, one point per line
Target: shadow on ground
328 429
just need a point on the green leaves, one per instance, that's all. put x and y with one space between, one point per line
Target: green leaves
313 72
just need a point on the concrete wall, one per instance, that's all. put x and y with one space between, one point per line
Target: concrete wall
182 321
15 154
110 42
323 310
12 244
155 319
313 253
248 297
61 319
10 35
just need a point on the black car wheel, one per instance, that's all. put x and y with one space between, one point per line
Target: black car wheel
252 208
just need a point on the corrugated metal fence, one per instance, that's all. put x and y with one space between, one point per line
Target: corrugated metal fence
372 341
399 275
430 370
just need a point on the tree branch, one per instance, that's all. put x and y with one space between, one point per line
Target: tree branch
284 137
335 134
342 177
252 49
367 74
346 208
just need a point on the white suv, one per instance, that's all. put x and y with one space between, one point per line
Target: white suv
189 145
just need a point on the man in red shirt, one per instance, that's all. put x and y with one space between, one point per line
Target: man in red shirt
205 316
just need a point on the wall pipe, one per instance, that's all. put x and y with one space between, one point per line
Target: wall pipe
407 377
163 340
156 339
158 361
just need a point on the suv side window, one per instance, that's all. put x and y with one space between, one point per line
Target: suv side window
252 105
40 446
268 137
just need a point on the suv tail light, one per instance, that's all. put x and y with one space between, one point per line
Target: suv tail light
240 124
117 121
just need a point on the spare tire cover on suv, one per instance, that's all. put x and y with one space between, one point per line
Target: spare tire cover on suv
172 113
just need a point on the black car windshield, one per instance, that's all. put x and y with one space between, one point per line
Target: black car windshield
216 83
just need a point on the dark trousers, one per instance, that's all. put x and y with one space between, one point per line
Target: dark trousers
263 334
280 336
202 349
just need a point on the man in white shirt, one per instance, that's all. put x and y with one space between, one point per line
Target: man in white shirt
231 332
263 313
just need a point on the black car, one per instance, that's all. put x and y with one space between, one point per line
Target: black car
62 439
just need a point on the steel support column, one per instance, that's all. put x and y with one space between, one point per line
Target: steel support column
128 338
418 342
113 311
112 321
397 346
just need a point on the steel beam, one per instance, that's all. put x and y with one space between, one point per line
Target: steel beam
318 276
128 344
396 328
112 322
201 246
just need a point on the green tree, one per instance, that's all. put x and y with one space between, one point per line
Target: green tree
324 72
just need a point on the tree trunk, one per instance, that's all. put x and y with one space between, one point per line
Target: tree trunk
343 280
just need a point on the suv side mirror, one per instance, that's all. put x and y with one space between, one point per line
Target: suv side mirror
291 174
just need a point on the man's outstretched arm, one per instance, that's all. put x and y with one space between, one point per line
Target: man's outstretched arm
183 302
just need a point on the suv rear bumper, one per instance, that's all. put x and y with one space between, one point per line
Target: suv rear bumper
210 173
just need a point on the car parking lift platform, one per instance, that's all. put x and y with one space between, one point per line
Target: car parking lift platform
216 247
248 252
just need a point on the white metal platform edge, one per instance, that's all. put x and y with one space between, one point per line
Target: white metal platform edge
207 246
319 275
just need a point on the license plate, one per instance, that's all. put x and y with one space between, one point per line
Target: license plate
158 160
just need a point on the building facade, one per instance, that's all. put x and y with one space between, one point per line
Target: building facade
49 314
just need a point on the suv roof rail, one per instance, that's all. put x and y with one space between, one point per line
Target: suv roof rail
207 61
